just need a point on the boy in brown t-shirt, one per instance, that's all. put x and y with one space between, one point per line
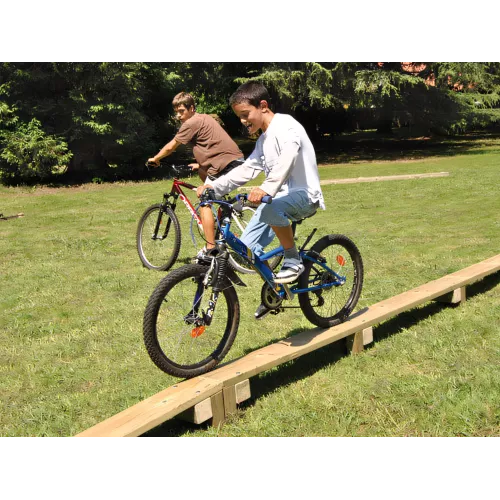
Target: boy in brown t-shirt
215 152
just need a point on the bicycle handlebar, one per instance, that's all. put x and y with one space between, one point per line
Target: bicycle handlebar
208 196
266 199
172 170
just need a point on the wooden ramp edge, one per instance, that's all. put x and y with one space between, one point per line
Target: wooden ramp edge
355 180
380 178
217 392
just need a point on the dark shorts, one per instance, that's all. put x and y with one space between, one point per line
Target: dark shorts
230 166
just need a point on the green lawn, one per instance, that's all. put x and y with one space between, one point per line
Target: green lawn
73 293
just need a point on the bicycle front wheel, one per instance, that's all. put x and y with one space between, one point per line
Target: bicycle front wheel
188 329
337 292
158 237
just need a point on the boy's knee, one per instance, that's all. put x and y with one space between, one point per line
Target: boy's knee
274 216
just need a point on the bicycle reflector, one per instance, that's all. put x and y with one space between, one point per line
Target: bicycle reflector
341 260
196 332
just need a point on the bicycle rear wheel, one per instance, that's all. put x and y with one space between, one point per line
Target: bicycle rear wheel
158 237
179 335
331 305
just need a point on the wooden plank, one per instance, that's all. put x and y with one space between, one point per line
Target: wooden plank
292 347
155 410
381 178
355 180
222 382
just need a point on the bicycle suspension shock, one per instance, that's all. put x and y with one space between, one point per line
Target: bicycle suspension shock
221 271
218 269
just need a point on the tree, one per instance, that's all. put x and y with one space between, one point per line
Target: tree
30 153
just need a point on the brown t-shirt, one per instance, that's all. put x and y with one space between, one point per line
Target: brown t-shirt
212 146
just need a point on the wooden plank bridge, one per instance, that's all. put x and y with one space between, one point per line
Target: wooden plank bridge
215 395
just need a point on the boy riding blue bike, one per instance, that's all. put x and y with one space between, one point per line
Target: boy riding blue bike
286 155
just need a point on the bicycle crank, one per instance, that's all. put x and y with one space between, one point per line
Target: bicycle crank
270 298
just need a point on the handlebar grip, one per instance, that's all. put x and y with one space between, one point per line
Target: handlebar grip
266 199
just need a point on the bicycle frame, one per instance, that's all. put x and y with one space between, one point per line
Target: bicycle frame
176 192
258 262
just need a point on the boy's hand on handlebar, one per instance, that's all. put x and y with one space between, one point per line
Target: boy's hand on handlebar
194 166
256 195
202 188
153 162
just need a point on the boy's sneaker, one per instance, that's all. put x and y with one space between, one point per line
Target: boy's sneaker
261 311
200 256
290 271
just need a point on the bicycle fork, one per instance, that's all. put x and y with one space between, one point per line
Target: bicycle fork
214 277
168 204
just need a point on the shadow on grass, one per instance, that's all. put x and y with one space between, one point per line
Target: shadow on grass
308 364
410 318
366 147
363 146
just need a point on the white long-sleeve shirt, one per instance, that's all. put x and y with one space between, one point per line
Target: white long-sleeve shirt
286 155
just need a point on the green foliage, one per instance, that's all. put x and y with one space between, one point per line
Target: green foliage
114 115
106 112
297 85
29 153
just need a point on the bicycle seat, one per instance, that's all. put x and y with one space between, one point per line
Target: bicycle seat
299 221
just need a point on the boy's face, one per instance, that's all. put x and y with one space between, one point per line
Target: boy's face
251 117
182 113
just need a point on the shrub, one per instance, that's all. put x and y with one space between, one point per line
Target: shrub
28 153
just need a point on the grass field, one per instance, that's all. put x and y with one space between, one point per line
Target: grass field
73 293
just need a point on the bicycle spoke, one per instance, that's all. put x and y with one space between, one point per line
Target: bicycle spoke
341 284
176 338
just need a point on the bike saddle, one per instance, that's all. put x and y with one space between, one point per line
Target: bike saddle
299 221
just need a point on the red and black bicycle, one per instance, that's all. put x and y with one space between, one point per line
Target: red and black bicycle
159 229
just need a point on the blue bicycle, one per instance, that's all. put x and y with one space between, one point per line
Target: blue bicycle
192 317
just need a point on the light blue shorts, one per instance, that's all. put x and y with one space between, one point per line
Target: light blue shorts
293 206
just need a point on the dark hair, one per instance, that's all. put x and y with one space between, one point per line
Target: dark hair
183 98
250 92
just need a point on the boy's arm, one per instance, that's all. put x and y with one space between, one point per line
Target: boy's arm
281 171
237 177
166 150
183 136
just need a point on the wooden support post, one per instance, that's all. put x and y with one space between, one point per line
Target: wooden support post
234 395
214 407
354 343
368 335
229 400
242 391
199 413
457 296
218 415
